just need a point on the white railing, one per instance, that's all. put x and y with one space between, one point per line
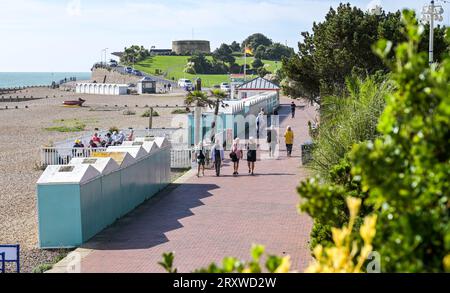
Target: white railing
62 156
180 158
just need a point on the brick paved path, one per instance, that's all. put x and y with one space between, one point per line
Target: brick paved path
208 218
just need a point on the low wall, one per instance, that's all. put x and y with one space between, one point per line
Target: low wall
99 74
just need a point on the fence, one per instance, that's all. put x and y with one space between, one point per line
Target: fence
180 157
62 156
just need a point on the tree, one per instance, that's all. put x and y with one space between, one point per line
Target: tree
134 54
200 100
220 96
277 52
340 46
224 54
235 47
260 52
256 40
303 80
200 64
257 63
262 71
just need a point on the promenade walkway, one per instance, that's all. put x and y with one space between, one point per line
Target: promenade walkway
208 218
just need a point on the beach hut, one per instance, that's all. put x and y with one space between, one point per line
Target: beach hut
134 177
150 146
164 160
65 198
105 206
125 160
146 85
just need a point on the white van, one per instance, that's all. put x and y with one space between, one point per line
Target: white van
186 84
225 86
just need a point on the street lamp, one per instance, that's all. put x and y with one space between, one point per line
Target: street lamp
432 13
104 55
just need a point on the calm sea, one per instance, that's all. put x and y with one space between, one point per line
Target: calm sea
17 79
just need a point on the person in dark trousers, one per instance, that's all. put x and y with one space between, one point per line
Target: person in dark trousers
289 137
293 106
165 88
170 87
251 155
217 156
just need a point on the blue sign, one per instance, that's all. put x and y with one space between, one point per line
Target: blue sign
9 254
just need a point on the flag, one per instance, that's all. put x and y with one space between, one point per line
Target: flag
248 50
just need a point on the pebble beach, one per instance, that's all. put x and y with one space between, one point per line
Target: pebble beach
22 133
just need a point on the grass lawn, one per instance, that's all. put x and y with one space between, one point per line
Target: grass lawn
174 66
70 125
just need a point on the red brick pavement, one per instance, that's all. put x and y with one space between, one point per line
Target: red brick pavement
209 218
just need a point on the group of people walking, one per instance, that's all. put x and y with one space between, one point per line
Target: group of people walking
217 153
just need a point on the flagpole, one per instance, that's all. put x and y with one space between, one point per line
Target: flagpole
245 66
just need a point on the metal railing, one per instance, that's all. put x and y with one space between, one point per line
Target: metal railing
181 158
62 156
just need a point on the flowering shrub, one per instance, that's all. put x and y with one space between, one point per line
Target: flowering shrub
345 256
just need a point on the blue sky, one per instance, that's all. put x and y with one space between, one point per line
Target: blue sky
68 35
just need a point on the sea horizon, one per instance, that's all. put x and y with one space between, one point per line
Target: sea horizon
20 79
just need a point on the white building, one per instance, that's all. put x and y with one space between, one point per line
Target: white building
256 87
101 89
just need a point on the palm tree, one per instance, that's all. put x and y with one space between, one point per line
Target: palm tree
200 100
220 96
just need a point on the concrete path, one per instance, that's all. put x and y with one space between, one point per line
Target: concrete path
206 219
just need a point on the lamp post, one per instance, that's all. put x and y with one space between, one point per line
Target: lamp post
432 13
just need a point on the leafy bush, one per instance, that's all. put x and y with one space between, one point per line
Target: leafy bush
407 169
40 269
348 120
402 174
273 264
146 114
129 113
180 111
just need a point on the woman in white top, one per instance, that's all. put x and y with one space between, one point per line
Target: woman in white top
236 155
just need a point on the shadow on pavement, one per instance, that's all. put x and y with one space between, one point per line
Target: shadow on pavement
145 227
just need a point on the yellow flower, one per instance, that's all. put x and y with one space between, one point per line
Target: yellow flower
318 251
447 263
339 235
285 265
353 205
247 271
368 229
314 268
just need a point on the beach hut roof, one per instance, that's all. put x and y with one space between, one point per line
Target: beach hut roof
123 159
66 174
136 152
103 165
162 142
148 146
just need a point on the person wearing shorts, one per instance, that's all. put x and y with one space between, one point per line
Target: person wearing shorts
200 156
